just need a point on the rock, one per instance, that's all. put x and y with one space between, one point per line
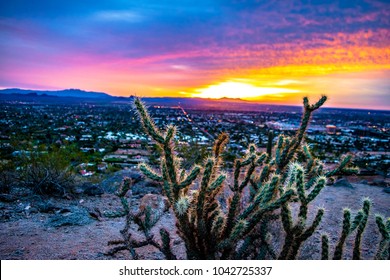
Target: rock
364 182
33 210
64 211
343 182
146 187
379 182
74 216
88 188
21 207
157 203
78 190
47 207
111 184
18 253
386 190
93 190
5 197
95 213
5 215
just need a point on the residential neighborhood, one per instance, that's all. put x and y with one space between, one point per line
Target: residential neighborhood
100 138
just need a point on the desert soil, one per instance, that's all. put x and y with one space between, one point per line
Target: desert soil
26 232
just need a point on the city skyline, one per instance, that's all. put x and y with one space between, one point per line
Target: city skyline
271 51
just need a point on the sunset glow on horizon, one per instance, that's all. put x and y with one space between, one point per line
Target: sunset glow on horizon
266 51
240 90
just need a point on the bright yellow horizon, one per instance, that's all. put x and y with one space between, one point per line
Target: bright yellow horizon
245 91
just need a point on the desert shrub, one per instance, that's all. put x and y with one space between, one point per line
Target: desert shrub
46 173
264 188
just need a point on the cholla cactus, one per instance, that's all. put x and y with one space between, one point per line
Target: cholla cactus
145 221
360 228
210 231
358 223
383 252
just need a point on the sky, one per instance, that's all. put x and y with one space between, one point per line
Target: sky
266 51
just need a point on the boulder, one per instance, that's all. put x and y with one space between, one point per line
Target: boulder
5 197
158 204
88 188
47 207
95 213
78 190
343 182
146 187
93 190
112 183
73 216
379 182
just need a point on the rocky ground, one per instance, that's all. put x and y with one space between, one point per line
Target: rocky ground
33 227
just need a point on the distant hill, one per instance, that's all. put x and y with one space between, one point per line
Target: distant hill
73 96
77 96
61 93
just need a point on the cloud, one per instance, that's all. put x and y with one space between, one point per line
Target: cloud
181 45
120 15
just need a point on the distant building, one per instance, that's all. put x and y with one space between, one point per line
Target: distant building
331 129
102 166
86 173
281 125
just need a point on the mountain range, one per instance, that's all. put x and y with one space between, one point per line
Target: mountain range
98 95
78 95
82 96
60 93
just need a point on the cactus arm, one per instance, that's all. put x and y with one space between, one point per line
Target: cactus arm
338 253
150 173
324 247
193 174
384 245
147 122
269 144
166 247
360 229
